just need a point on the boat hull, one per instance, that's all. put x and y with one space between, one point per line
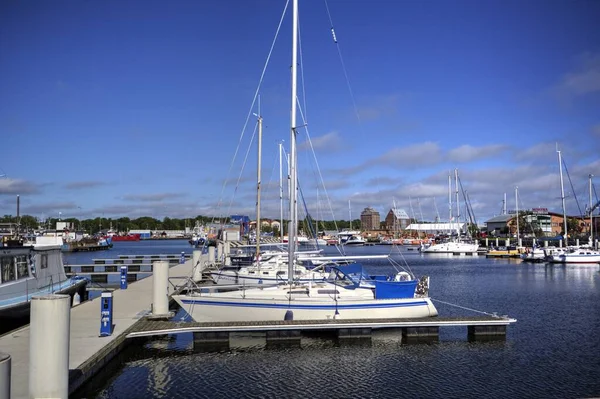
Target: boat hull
210 309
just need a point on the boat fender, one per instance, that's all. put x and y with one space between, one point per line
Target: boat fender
289 315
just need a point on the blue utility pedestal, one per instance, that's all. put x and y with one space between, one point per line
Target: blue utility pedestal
182 258
106 314
123 277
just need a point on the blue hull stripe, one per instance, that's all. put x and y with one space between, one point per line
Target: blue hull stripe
293 305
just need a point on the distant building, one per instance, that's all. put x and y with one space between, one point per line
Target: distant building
370 219
396 220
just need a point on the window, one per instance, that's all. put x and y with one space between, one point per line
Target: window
44 262
22 266
7 269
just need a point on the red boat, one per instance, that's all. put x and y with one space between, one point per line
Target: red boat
128 237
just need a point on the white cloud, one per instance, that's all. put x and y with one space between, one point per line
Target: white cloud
584 80
79 185
467 153
330 141
157 197
427 153
10 186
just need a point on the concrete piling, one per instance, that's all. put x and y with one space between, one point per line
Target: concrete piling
5 363
49 337
226 252
160 303
197 265
211 255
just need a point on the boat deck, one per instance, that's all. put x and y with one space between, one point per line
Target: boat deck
88 352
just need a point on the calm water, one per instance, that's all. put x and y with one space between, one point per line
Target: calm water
553 351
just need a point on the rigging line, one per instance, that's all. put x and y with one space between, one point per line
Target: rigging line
237 184
572 188
337 45
262 75
322 181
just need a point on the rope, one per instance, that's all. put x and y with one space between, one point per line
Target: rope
337 45
466 308
264 70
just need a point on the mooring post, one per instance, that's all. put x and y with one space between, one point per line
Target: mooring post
211 255
49 335
4 376
197 264
160 303
226 252
220 252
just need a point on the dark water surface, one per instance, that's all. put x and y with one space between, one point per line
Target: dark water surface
553 351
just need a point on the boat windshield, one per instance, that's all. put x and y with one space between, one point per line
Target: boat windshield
351 275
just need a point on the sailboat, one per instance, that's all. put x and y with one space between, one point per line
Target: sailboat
347 292
572 254
452 245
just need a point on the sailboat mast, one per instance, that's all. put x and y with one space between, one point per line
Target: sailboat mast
292 231
457 203
517 208
350 214
281 192
258 179
591 215
449 198
562 197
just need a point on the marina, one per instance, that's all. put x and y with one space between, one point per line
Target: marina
230 265
88 351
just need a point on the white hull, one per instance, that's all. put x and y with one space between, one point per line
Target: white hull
211 309
574 258
450 247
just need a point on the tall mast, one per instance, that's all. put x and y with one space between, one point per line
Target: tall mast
517 208
591 214
281 225
457 203
293 172
562 197
350 214
449 197
258 179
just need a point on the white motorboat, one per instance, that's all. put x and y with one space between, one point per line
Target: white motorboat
575 255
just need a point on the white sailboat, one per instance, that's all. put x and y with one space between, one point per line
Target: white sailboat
452 245
573 254
347 292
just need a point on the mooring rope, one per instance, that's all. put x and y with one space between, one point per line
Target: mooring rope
494 314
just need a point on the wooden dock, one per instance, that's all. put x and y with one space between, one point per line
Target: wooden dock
414 330
88 352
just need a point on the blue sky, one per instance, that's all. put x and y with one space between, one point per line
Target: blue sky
136 108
